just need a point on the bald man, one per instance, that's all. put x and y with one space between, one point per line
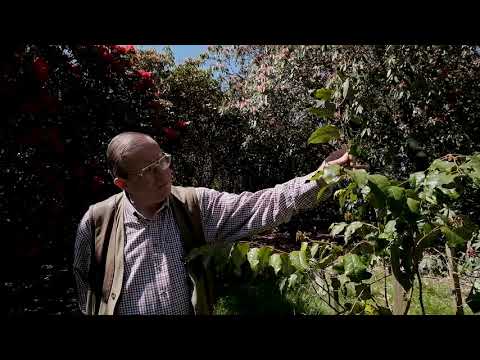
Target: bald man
154 278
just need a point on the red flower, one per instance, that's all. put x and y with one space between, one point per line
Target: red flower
170 134
40 69
124 49
144 74
182 124
471 252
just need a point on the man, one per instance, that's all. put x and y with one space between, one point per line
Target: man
141 268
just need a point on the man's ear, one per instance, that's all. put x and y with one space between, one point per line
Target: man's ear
120 183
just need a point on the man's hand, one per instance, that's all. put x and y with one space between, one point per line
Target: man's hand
343 158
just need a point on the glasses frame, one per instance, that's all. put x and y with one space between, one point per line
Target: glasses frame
141 172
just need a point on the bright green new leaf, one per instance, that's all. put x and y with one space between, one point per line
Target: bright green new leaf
323 94
276 263
324 135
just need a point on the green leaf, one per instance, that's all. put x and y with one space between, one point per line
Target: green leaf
324 135
239 255
313 250
355 268
323 94
351 229
416 179
395 192
276 263
439 179
316 176
390 231
378 184
441 165
360 176
252 257
451 193
381 181
337 228
339 266
454 239
331 173
264 256
287 267
324 193
413 205
293 279
304 246
298 260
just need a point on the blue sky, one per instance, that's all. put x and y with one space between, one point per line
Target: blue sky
181 52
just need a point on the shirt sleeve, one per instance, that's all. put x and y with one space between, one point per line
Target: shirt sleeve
82 259
230 217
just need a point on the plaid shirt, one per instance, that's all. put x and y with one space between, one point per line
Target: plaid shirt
155 280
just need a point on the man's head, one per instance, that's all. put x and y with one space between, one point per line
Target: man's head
140 167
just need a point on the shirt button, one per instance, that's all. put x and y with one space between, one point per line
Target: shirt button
113 296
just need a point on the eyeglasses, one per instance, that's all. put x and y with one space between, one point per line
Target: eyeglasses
161 164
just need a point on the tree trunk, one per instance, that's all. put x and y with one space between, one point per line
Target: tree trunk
452 269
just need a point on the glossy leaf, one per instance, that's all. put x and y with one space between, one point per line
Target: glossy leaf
324 135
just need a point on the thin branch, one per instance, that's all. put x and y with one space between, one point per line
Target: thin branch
420 292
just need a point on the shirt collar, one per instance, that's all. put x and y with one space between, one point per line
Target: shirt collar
131 210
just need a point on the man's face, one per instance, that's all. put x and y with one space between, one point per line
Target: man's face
147 181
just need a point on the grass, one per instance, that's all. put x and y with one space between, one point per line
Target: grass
263 297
